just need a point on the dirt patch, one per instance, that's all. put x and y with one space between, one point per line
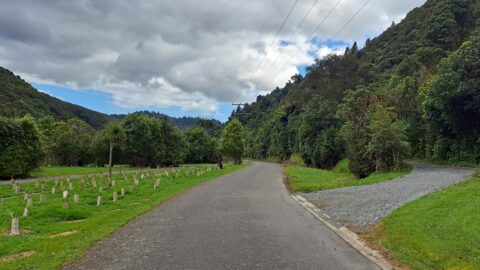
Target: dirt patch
17 256
64 234
74 221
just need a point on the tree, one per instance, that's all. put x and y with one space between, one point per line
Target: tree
115 135
452 103
72 140
233 141
20 147
201 147
138 140
388 142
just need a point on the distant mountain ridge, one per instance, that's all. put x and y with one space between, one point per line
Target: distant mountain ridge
18 98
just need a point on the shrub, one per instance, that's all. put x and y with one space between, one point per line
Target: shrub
20 147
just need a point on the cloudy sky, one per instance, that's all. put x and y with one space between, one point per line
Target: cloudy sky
181 57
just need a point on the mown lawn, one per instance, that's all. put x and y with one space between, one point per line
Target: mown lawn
439 231
65 171
303 179
84 223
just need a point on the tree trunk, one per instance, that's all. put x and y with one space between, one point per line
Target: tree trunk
110 161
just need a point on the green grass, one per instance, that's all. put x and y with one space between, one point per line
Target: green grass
303 179
93 222
65 171
439 231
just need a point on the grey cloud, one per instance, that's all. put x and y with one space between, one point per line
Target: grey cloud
204 49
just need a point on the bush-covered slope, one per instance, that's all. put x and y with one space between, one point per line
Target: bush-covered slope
376 105
19 98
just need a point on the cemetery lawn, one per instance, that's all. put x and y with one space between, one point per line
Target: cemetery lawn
52 236
438 231
303 179
65 171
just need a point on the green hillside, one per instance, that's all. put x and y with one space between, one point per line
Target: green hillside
19 98
346 105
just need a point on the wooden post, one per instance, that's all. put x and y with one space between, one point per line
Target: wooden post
42 198
14 229
29 202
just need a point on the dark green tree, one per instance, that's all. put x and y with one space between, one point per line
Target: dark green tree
232 142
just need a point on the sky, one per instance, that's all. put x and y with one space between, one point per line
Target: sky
182 57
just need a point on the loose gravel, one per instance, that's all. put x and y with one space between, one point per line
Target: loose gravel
360 207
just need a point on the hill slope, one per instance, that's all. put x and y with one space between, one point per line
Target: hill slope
19 98
306 116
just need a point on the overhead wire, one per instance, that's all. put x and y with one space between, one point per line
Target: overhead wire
275 39
333 37
295 31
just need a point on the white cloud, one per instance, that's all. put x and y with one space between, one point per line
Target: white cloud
186 54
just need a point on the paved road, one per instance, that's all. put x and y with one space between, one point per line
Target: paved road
360 207
245 220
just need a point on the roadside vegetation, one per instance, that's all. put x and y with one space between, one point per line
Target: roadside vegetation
304 179
59 228
438 231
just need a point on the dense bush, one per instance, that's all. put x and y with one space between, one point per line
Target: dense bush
20 147
202 148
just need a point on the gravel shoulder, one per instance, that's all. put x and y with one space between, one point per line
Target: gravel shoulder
360 207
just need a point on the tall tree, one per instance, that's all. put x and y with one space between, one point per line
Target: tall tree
233 144
115 134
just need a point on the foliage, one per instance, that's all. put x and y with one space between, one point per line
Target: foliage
334 111
232 142
20 147
452 104
23 99
72 141
202 148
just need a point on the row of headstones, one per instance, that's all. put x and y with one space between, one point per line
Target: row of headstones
76 198
14 230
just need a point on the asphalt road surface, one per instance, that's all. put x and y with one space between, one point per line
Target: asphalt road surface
244 220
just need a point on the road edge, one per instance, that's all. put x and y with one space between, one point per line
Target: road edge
347 235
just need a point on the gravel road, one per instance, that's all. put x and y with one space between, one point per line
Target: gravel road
360 207
244 220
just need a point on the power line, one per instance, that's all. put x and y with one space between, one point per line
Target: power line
276 37
333 37
296 30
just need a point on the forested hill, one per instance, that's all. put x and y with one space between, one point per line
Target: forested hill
18 98
183 123
412 91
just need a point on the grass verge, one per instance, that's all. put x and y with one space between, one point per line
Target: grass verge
53 235
303 179
438 231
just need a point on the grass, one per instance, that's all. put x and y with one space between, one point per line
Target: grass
438 231
65 171
92 223
303 179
